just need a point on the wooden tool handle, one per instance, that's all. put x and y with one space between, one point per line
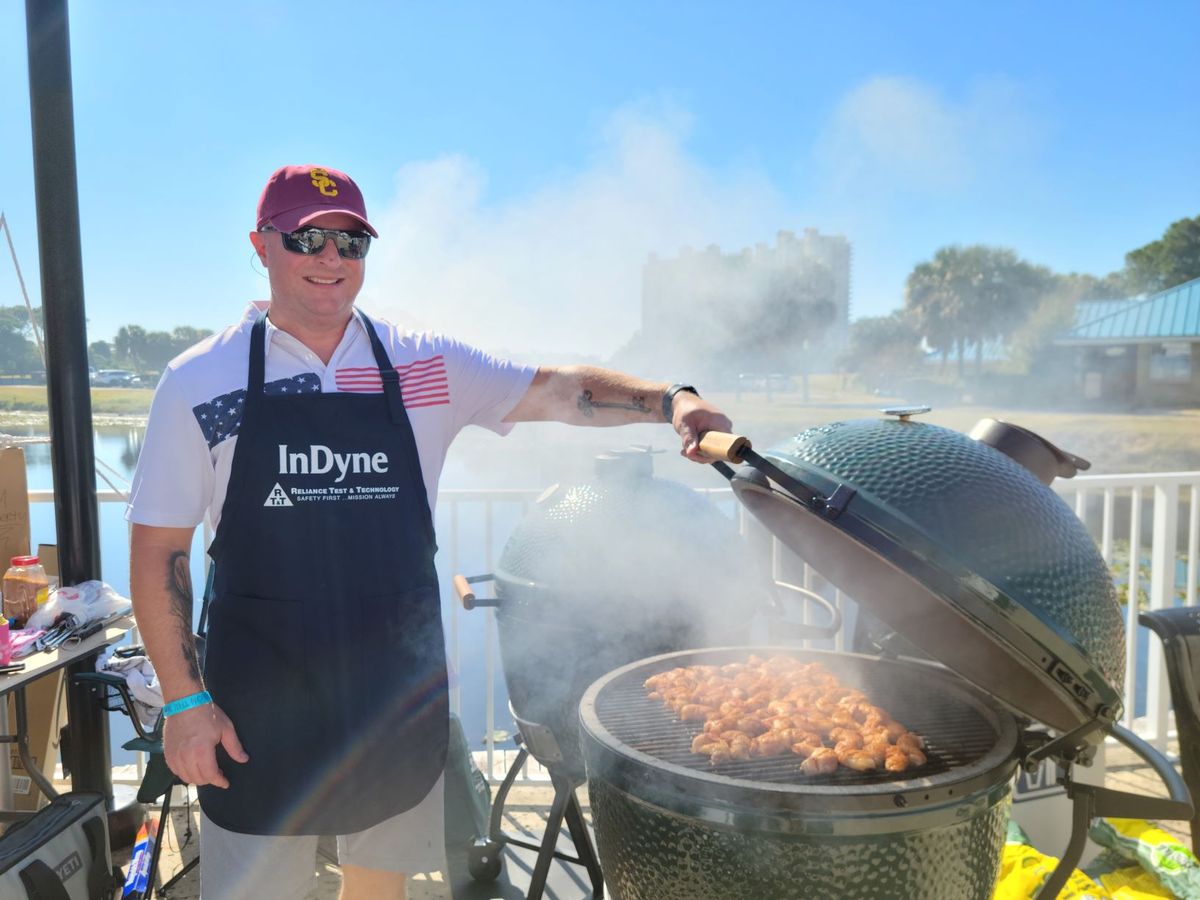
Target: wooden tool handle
719 445
465 594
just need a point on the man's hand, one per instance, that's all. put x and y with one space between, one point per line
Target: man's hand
691 417
190 740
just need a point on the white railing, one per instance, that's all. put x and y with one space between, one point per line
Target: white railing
1171 565
1113 507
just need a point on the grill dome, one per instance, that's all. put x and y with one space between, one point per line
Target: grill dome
978 532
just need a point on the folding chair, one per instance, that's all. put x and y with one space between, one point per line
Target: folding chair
1179 629
158 780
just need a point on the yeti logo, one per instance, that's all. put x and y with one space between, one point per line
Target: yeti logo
68 867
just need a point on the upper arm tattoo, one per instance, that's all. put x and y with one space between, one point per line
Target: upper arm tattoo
179 589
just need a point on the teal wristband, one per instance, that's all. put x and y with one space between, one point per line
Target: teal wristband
185 703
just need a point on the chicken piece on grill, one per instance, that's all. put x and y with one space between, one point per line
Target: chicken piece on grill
719 754
822 762
851 737
716 726
820 723
879 749
702 742
806 747
733 733
740 749
843 717
770 744
752 726
788 735
855 758
768 708
896 760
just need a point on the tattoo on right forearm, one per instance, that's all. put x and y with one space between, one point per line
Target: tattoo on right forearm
179 588
587 405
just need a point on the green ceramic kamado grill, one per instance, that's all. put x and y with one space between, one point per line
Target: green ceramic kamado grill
957 543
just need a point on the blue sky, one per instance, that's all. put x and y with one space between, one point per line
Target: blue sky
522 159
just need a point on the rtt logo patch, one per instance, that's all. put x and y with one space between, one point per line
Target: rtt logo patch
323 183
278 496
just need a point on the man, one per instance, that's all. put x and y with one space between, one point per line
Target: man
312 437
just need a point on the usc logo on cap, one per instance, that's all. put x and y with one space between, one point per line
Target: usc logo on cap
323 183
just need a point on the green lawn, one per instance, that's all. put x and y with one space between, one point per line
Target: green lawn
105 401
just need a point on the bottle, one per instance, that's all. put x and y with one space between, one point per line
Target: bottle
26 587
138 879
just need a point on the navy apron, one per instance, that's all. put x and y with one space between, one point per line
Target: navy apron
325 642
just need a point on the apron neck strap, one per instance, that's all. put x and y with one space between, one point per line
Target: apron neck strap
387 372
258 356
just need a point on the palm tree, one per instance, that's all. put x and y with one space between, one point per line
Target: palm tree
972 295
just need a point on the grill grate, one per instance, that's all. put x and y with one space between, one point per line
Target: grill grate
955 732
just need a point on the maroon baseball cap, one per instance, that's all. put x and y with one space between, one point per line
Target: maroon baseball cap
295 195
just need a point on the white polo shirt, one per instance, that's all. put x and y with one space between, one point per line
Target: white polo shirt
184 464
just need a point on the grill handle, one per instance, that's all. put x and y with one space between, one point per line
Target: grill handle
729 447
466 596
735 448
1089 801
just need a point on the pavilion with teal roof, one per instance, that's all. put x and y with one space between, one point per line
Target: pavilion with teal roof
1140 350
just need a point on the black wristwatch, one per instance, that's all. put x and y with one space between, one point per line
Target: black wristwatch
669 397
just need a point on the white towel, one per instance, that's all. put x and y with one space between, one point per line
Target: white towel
142 680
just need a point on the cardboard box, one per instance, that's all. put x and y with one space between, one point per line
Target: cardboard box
44 703
14 505
48 555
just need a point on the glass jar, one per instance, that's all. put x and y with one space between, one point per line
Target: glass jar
26 587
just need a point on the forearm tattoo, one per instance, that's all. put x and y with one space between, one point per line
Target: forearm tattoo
588 406
179 588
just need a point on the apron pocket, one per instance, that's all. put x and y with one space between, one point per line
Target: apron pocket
257 668
393 686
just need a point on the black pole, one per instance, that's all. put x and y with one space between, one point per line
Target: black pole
72 456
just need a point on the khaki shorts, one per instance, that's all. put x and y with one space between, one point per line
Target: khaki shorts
236 866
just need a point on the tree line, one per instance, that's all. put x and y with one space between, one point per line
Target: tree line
955 303
133 347
965 298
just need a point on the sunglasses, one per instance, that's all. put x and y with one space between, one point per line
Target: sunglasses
311 241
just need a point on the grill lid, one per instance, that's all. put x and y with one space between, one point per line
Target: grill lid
957 547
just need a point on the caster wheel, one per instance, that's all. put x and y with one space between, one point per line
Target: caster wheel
484 862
